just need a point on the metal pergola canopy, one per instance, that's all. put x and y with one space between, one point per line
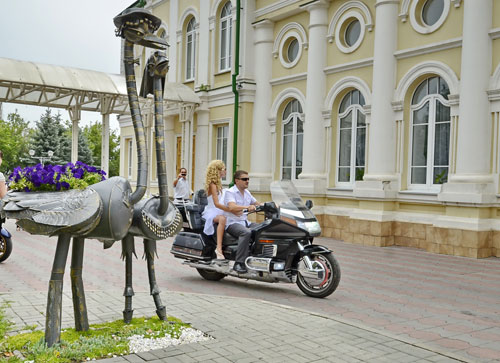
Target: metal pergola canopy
73 88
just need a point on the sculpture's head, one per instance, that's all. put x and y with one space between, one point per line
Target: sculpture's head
137 26
157 64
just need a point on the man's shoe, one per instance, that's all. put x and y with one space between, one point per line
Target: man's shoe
239 268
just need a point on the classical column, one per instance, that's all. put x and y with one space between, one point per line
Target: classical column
172 36
106 104
201 151
313 169
260 163
204 44
380 179
75 114
473 181
170 144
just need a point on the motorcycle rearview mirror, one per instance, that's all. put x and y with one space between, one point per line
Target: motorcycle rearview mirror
309 204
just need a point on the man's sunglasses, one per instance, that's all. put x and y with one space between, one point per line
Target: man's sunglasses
244 179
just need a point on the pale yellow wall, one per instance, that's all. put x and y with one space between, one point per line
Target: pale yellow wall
300 85
365 50
222 80
496 55
184 4
450 57
408 37
496 11
244 136
163 12
278 70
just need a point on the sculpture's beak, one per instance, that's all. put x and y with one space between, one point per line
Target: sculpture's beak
153 41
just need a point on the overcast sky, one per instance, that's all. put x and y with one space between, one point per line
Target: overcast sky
73 33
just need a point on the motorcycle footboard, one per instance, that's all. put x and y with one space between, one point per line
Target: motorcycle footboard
189 245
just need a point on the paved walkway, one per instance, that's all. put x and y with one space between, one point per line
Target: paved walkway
392 305
245 330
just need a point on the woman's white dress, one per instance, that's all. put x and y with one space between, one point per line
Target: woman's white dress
210 212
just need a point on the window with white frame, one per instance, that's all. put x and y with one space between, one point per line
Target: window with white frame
226 29
430 134
190 49
293 141
221 143
129 145
351 139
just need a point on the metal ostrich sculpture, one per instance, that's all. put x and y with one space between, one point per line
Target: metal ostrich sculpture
108 211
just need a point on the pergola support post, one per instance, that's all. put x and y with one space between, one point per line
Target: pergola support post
106 107
76 114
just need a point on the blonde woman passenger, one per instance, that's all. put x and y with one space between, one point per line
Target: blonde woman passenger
214 211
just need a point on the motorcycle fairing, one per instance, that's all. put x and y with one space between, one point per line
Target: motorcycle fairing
5 233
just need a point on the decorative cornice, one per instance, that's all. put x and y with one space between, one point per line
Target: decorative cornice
277 5
288 79
349 66
429 48
494 33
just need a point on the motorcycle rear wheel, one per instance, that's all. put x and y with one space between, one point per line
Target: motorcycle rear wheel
210 275
5 248
327 285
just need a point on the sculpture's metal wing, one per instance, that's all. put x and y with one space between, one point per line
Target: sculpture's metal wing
52 213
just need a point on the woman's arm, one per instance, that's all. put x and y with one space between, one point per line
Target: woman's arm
3 189
212 190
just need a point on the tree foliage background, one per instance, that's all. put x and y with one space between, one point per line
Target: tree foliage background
52 133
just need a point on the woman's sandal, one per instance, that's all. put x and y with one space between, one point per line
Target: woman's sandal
220 256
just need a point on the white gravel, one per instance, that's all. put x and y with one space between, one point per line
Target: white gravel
137 343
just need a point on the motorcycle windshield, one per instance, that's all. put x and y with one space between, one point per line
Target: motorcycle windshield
286 197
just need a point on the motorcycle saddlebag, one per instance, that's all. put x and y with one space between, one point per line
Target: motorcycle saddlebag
191 246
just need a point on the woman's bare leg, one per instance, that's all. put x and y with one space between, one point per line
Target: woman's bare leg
221 220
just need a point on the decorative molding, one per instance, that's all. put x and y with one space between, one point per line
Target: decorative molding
216 5
277 5
281 97
189 11
456 3
299 30
349 66
495 79
430 67
429 48
494 33
343 84
288 79
355 4
403 15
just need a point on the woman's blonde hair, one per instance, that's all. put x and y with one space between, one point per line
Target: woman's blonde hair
213 174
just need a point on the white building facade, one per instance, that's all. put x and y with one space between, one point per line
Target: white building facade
384 112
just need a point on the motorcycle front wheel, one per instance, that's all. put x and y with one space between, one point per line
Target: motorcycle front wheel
5 248
210 275
323 284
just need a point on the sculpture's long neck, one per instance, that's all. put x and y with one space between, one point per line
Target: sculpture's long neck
142 160
160 146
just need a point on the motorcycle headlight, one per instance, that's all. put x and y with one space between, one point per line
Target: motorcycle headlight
313 228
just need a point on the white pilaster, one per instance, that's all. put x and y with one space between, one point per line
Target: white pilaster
204 44
260 163
202 152
473 181
380 179
247 41
170 150
172 51
314 131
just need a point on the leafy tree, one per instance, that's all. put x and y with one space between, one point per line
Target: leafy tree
14 141
93 133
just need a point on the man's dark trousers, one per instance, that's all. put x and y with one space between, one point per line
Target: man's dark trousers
243 233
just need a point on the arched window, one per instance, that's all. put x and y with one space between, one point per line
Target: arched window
293 140
226 29
430 134
352 139
190 49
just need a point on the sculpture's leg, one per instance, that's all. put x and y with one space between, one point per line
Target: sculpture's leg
127 250
54 298
150 251
79 305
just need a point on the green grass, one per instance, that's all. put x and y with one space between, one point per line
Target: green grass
100 341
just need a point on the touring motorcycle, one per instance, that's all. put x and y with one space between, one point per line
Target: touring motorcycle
5 242
281 247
